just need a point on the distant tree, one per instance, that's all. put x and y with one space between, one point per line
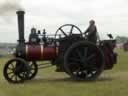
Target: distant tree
121 39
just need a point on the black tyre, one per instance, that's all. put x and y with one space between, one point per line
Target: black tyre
84 61
13 68
33 70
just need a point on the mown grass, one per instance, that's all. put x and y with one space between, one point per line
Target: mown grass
49 83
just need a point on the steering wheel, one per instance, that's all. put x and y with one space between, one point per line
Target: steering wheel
67 30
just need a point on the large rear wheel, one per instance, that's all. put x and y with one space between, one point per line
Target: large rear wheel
84 61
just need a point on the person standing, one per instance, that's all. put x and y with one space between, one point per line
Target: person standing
91 32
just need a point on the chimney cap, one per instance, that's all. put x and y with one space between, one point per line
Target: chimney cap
20 12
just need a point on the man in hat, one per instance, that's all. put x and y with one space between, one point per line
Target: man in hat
91 32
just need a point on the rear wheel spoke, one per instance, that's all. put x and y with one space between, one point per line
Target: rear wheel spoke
92 56
79 54
85 52
75 59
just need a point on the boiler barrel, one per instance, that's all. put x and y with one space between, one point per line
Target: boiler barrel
39 52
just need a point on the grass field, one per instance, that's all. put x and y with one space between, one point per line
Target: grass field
49 83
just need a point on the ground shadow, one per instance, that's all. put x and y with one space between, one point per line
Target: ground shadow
67 79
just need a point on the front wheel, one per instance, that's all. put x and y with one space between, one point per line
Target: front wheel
13 68
84 61
32 71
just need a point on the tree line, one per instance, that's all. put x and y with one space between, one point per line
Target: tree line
122 39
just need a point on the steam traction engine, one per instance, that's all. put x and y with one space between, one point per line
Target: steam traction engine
69 51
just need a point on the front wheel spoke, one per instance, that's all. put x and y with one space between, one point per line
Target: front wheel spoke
12 76
16 78
12 65
10 68
10 73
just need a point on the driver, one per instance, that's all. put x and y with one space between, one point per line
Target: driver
91 32
33 37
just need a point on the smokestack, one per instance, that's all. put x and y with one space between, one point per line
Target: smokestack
20 15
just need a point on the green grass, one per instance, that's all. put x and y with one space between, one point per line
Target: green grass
49 83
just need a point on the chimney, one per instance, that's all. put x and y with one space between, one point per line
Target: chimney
20 15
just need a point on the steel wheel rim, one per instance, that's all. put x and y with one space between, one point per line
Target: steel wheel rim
83 71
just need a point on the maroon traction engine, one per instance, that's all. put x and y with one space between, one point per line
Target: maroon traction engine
69 50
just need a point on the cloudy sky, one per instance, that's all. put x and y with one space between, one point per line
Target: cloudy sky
111 16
